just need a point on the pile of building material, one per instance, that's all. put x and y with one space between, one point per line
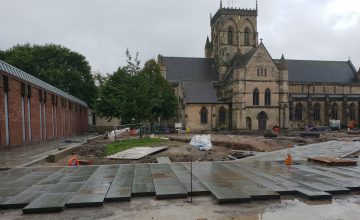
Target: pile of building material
118 134
330 161
201 142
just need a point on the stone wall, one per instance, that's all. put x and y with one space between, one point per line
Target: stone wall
193 120
326 95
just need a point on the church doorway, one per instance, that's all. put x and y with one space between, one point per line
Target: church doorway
248 123
262 120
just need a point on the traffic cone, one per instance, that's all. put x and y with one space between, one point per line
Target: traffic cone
288 160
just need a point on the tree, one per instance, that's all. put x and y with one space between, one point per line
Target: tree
56 65
164 100
137 94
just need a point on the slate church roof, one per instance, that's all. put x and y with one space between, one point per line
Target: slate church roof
197 75
321 71
190 69
199 92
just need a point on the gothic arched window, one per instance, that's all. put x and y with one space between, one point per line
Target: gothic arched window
298 112
230 36
222 115
256 97
267 97
204 115
247 37
334 111
352 112
317 112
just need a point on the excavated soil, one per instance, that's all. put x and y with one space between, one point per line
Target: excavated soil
179 150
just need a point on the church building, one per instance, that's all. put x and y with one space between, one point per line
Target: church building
239 85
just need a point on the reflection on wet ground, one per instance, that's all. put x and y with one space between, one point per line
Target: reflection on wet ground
249 181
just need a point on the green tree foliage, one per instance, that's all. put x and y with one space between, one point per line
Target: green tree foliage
56 65
164 103
135 93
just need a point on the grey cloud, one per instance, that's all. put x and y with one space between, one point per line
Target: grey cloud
102 30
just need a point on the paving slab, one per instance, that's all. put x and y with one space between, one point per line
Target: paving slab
25 188
120 189
302 189
183 174
309 179
267 182
8 192
252 188
221 190
48 202
55 199
335 178
348 172
136 153
142 183
25 197
166 183
163 160
93 191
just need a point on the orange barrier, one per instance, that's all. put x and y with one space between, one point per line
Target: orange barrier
351 124
74 161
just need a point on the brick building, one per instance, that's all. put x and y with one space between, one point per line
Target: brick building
32 110
239 85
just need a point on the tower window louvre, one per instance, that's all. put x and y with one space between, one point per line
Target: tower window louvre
230 36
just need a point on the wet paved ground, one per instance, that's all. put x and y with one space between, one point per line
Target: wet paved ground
263 177
20 155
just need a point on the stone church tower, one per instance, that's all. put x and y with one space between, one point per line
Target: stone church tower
249 79
233 31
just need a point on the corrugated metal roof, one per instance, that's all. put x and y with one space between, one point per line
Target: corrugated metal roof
37 82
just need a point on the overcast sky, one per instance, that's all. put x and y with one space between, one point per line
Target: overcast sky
101 30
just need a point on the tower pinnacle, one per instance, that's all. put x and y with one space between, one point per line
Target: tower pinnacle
282 63
220 3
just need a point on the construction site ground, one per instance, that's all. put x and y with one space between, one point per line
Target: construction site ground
179 149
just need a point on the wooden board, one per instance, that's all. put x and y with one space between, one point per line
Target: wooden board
136 153
330 161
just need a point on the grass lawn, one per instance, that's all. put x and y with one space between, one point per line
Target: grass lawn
118 146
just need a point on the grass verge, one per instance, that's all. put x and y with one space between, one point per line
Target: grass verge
119 146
